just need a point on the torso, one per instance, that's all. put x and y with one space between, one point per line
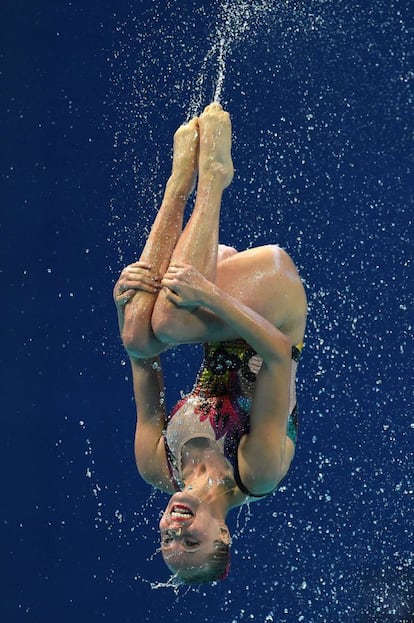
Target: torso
215 415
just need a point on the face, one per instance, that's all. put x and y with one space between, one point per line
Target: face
188 532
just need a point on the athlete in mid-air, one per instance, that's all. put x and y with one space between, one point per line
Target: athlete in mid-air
232 439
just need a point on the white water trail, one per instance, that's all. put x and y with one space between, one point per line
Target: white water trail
235 20
221 71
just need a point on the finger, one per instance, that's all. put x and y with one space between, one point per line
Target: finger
140 264
176 266
122 299
143 287
176 272
139 285
168 282
123 286
138 270
171 272
169 277
131 280
138 280
172 296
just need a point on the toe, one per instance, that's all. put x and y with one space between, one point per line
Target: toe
214 106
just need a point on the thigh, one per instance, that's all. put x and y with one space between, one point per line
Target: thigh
266 279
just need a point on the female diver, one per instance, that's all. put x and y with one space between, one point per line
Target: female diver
232 439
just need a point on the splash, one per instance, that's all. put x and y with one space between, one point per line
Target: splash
173 582
322 93
238 21
157 82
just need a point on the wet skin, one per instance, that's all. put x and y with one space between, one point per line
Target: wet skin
188 531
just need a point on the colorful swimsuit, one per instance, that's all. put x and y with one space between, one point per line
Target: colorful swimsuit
218 408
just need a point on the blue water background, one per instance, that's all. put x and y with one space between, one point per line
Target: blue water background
321 98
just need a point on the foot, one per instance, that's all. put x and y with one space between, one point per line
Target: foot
185 155
215 144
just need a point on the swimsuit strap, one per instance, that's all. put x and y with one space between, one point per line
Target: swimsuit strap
297 351
243 487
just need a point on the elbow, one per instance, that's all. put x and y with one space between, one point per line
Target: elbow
280 350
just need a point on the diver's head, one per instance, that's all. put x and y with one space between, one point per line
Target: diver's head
195 544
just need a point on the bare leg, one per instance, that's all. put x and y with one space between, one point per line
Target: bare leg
135 321
198 243
263 278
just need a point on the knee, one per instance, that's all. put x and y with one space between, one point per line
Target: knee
168 324
141 345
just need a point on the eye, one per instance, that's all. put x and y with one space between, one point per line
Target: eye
190 543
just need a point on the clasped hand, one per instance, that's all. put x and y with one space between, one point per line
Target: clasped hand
135 277
183 284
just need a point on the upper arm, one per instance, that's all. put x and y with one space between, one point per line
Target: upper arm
265 453
150 453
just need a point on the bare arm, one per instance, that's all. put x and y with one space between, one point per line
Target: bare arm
151 420
265 453
189 289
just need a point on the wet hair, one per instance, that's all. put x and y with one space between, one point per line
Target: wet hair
216 568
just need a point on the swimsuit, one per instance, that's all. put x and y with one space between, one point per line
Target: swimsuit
219 405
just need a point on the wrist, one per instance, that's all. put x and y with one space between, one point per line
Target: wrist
212 297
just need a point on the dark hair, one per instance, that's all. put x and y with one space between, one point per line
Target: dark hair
216 568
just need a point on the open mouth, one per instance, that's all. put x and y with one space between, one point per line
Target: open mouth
180 512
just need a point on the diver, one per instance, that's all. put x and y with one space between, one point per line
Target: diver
232 439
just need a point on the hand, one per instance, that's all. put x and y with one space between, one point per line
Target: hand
185 286
135 277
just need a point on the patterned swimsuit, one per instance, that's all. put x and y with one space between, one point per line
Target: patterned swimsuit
219 405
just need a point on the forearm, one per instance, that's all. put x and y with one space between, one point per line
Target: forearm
270 343
149 391
151 421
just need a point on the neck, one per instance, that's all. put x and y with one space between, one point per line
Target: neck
207 475
212 486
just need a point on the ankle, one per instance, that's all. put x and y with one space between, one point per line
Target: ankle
179 186
216 173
